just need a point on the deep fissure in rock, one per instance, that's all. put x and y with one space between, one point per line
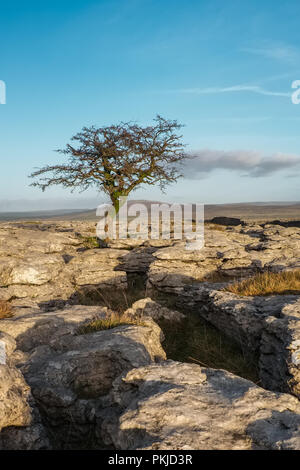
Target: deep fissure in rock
192 340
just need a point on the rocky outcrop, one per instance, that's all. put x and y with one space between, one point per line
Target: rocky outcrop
149 308
47 263
40 264
97 268
279 359
232 221
260 325
113 388
175 268
15 410
241 318
267 326
235 252
20 422
183 406
267 329
32 327
137 260
70 374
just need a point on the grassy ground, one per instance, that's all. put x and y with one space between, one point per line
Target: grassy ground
268 283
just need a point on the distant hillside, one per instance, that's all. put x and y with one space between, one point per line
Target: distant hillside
33 215
260 211
254 211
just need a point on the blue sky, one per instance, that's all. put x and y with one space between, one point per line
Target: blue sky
224 69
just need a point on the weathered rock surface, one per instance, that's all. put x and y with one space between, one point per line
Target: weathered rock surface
97 267
70 375
266 329
137 260
149 308
183 406
260 325
62 387
14 409
32 327
42 263
20 422
279 359
236 252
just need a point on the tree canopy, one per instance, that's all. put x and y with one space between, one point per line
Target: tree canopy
117 159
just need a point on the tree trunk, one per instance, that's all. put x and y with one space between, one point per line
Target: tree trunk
115 199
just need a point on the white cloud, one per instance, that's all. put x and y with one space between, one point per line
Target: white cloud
248 163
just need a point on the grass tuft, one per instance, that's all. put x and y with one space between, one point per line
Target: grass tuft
212 226
6 310
112 321
268 283
90 242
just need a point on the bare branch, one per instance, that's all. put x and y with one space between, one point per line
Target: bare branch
118 158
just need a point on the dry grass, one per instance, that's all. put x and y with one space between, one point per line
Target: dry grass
268 283
212 226
112 321
5 310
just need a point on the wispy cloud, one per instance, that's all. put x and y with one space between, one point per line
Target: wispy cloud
276 51
237 119
248 163
280 77
233 89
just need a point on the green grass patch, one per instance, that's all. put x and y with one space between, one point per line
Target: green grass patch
90 242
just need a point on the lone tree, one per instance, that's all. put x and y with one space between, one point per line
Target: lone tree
118 158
